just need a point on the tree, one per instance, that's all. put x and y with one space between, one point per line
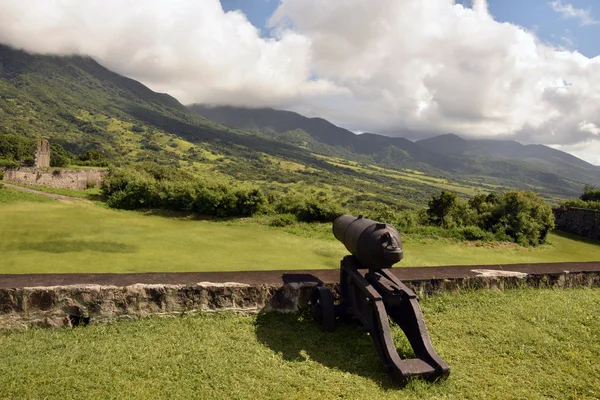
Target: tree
590 193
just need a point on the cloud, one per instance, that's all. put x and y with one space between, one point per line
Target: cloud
421 66
191 49
589 127
568 11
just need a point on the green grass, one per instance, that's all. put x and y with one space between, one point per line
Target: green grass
69 237
91 193
520 344
560 247
16 196
60 237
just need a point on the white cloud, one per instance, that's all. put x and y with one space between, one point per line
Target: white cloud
568 11
416 65
589 127
191 49
588 150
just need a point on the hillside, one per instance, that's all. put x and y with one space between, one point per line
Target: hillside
79 104
498 162
398 151
539 156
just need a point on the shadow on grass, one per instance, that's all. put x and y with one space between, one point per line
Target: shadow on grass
576 237
298 338
72 246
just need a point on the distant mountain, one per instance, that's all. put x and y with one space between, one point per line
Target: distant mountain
448 144
535 165
540 156
268 120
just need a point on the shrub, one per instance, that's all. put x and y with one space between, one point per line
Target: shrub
309 209
130 189
9 163
155 186
475 233
578 203
59 157
590 193
524 217
447 211
250 201
521 217
283 220
1 175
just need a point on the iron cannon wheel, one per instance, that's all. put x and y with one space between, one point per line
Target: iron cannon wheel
323 309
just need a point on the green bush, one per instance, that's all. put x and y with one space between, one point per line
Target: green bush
154 186
309 209
8 163
524 217
283 220
59 157
475 233
590 193
447 211
578 203
521 217
590 199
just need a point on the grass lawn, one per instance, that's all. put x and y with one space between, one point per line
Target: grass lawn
91 193
40 235
520 344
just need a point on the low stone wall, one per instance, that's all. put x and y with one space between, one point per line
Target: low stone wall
55 177
55 306
578 221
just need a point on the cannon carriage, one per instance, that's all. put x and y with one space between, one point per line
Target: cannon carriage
372 295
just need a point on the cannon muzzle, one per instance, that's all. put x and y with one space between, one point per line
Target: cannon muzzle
376 245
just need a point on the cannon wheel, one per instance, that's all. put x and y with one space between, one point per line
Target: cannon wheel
323 309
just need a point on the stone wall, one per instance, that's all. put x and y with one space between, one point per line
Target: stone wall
55 177
55 306
578 221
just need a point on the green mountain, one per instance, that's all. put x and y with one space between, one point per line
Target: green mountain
399 151
537 156
503 162
81 105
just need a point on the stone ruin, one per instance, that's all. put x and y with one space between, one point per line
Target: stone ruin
42 154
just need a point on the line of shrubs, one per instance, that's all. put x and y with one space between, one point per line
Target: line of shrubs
516 216
520 217
590 199
149 185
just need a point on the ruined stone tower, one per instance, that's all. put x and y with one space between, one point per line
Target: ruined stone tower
42 154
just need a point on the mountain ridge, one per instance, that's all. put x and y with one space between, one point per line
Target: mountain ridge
445 152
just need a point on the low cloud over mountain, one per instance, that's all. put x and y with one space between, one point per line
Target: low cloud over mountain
384 66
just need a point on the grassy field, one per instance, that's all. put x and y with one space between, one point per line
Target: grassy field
39 235
90 194
525 344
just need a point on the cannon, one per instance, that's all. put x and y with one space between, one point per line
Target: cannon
375 296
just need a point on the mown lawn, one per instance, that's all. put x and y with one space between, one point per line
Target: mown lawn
519 344
40 235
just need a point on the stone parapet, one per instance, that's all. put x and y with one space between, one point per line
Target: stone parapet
55 306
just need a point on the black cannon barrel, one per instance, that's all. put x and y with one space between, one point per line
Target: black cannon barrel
375 244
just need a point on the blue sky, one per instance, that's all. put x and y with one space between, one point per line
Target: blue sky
538 16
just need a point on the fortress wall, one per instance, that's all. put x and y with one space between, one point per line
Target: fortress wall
55 177
579 221
57 306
